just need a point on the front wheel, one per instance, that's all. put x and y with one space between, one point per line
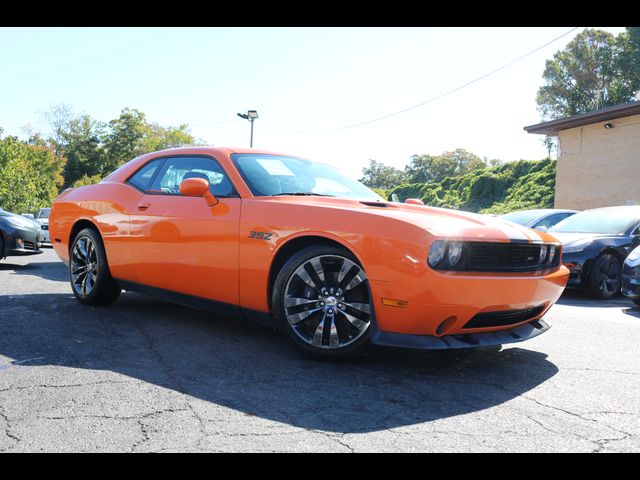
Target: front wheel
605 278
321 299
89 273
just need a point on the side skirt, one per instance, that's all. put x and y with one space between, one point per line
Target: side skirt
198 303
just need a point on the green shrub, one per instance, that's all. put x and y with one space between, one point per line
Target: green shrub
519 185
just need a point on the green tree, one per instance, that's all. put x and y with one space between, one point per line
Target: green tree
87 180
431 169
30 175
131 135
595 70
380 176
81 142
125 139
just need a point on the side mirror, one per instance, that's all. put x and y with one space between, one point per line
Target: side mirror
414 201
198 187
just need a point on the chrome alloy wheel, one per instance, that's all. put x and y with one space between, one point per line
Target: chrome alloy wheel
84 266
327 302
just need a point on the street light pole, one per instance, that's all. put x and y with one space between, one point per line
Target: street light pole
251 115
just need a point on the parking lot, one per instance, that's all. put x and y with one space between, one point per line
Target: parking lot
145 375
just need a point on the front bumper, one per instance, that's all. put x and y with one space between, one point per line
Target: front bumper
631 281
466 303
469 340
22 243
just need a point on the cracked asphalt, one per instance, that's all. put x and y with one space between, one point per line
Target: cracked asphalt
147 376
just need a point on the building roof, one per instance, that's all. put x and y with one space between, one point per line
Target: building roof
595 116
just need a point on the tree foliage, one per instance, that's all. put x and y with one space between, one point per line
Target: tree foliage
595 70
431 169
377 175
30 175
93 149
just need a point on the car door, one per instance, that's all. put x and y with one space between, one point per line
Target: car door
181 244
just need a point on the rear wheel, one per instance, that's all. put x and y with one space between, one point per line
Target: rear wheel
321 299
637 301
89 273
605 277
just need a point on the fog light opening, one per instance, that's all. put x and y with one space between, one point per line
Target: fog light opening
445 326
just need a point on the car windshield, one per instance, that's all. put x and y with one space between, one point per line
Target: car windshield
522 217
44 213
611 222
271 175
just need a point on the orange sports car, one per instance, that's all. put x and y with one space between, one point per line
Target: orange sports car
302 247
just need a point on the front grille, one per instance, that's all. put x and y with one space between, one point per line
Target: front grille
29 246
496 257
503 318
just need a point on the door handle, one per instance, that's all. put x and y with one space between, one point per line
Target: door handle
143 206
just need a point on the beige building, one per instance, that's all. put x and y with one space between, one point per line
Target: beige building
598 158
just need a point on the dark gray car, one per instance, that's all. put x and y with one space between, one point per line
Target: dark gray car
18 235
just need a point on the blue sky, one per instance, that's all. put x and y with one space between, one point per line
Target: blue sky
299 79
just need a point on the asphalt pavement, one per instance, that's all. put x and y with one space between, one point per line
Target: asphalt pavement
145 375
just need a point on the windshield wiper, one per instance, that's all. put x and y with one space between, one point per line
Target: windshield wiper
304 194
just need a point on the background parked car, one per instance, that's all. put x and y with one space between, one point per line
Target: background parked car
631 276
540 219
42 217
595 245
18 235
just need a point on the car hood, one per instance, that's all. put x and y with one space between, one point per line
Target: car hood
571 238
440 222
19 220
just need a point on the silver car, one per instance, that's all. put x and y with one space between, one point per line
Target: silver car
539 219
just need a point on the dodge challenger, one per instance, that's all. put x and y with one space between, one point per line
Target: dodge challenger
302 247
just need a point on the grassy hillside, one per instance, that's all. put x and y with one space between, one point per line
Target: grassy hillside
512 186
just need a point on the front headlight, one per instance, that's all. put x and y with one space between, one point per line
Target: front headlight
436 253
576 246
455 253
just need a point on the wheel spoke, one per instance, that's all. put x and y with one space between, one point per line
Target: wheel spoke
83 249
296 318
356 322
294 301
79 270
317 337
357 280
317 267
334 340
78 253
362 307
304 276
346 267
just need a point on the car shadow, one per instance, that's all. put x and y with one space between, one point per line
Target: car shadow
55 271
249 368
634 311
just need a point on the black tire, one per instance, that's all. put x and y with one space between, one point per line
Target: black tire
103 288
344 337
605 277
1 246
637 301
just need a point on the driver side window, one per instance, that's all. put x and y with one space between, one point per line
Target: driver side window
177 169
